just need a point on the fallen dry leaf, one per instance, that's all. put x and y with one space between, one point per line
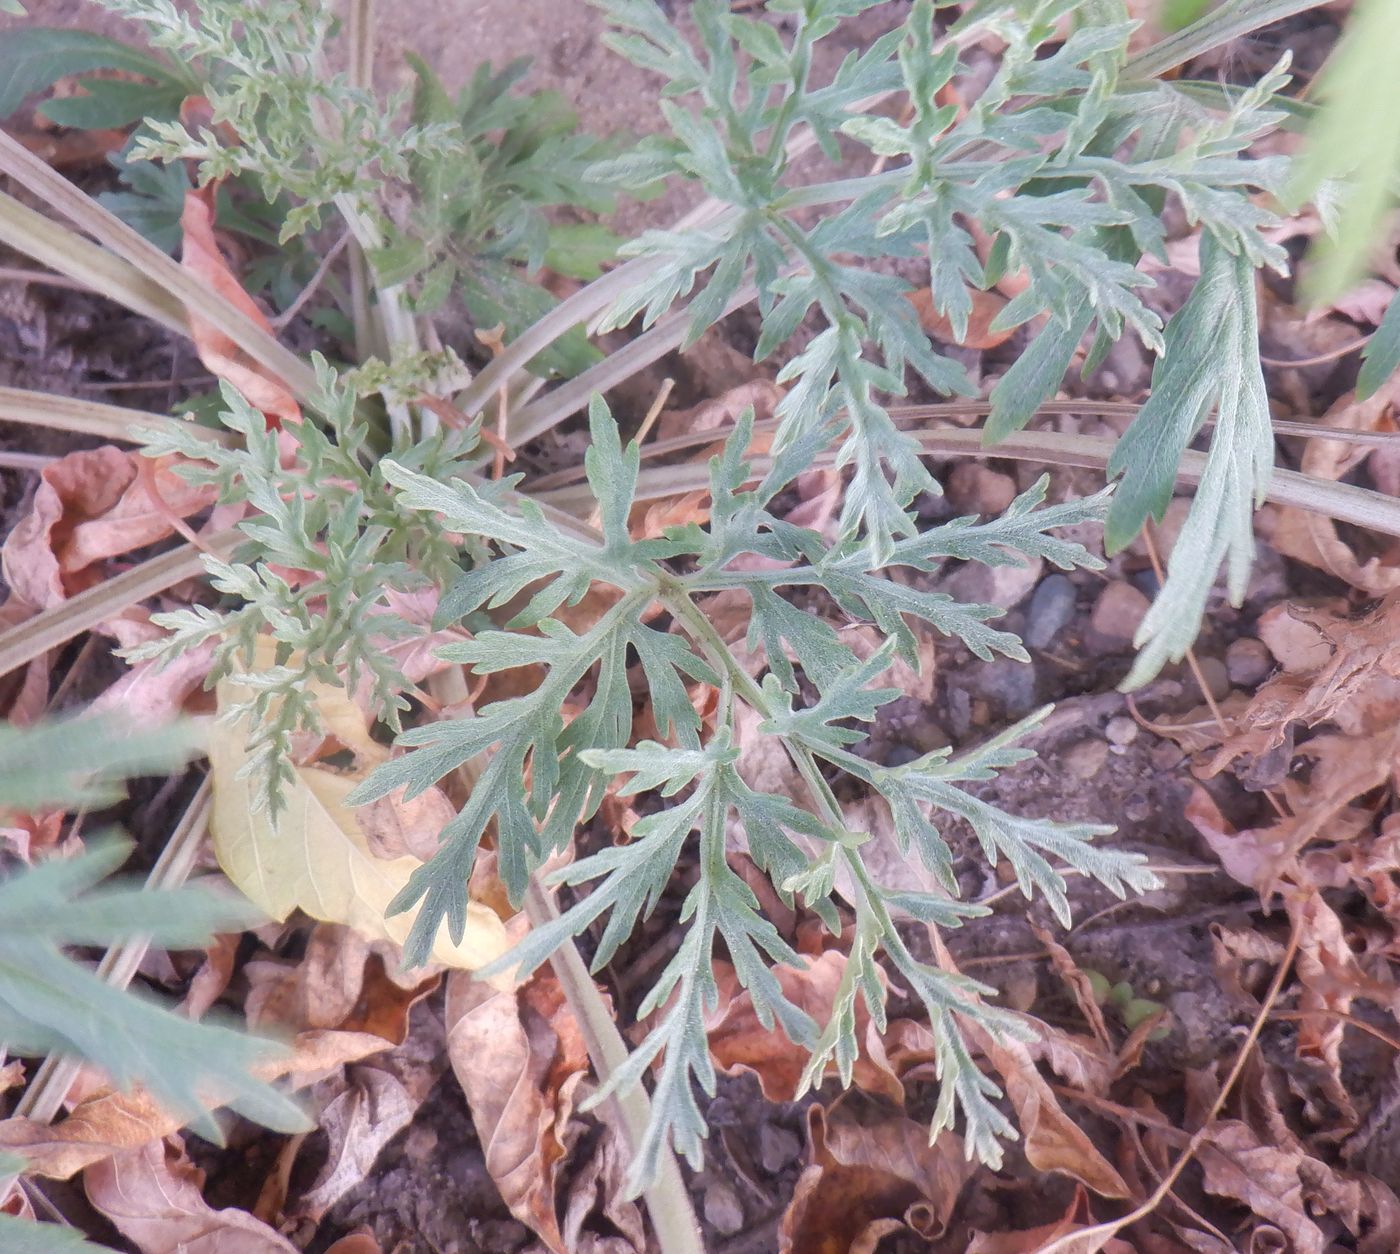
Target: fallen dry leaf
1031 1240
153 1195
200 255
739 1042
108 1123
91 505
361 1242
313 855
342 981
1262 1165
722 412
1357 686
1314 538
871 1173
370 1107
986 306
520 1058
1052 1141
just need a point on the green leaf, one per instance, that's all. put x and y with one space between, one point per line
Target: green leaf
1027 844
26 1236
1355 137
1212 360
82 761
1381 357
33 58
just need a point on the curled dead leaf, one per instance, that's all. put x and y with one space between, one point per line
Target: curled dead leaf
200 255
520 1058
1315 538
154 1197
872 1172
91 505
739 1042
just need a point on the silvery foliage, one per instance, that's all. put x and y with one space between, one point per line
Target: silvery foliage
569 764
1066 163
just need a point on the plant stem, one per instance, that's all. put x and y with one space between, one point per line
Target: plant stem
668 1201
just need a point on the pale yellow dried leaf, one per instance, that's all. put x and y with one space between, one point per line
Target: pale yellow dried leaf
313 856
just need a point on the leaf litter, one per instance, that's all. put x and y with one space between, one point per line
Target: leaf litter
1279 1168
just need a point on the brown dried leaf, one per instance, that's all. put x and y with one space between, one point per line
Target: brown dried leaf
1314 538
343 981
1358 687
108 1123
200 255
986 306
154 1197
872 1172
361 1242
739 1042
395 827
722 412
519 1057
89 506
1052 1140
1031 1240
369 1108
1078 984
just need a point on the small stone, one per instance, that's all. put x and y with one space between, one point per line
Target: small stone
723 1210
1248 662
1146 582
1050 611
1217 679
420 1142
1086 759
1005 586
1164 533
1119 611
777 1147
976 489
1121 731
1166 755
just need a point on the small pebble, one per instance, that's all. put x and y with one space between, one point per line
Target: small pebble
1050 611
976 489
1166 755
1146 582
1119 611
723 1210
1137 807
777 1147
1216 676
1004 586
1086 759
1121 731
1248 662
901 755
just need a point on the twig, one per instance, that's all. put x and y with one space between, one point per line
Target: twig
1089 1240
306 293
1321 359
668 1202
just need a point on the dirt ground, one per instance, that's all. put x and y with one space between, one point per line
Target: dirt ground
1099 759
